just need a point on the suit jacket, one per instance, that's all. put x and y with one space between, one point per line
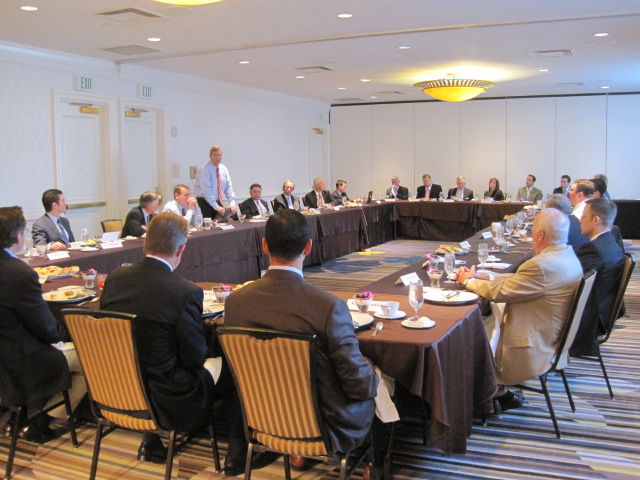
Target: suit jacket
280 202
44 231
468 193
337 197
497 195
133 223
249 208
558 190
346 382
169 337
33 370
403 193
606 257
533 196
576 238
538 298
433 193
311 200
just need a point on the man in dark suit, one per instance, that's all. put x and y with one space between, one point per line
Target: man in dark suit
135 225
346 381
565 183
36 370
396 190
428 189
602 254
287 199
52 228
254 206
339 196
318 197
561 202
460 192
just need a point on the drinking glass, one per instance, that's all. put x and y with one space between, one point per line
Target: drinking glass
509 226
434 276
416 296
441 196
450 266
198 221
483 253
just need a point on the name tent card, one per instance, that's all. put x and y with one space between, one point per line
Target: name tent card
57 255
465 244
487 235
113 244
407 279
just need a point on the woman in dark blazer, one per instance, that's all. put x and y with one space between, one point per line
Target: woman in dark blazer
494 190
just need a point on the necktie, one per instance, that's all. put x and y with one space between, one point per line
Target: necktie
395 191
260 207
63 232
427 192
289 202
219 186
184 211
320 201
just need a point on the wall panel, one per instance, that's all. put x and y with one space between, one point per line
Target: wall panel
623 146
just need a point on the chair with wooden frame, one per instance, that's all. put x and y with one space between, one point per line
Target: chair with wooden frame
275 373
114 382
111 225
560 359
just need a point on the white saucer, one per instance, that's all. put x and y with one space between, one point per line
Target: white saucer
421 323
398 314
89 249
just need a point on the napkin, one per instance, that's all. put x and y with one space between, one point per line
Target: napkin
498 266
386 410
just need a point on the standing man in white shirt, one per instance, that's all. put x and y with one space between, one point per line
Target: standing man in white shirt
183 203
52 229
212 183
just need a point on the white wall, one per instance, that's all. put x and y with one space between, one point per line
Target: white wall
266 137
504 138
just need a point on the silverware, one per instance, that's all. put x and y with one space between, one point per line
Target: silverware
451 295
94 299
379 326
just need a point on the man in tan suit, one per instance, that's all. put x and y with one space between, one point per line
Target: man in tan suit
535 301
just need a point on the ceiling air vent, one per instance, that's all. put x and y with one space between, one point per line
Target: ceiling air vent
550 53
131 50
128 16
317 69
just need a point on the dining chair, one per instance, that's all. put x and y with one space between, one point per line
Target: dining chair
115 383
14 399
626 271
273 205
561 356
275 373
111 225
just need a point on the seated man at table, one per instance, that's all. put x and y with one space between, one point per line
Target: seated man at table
604 178
339 195
602 254
254 206
561 202
183 203
318 197
135 225
181 381
52 229
29 333
347 382
428 189
535 301
396 190
287 199
529 193
580 191
460 192
565 183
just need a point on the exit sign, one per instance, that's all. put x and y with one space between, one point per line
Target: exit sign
144 91
84 83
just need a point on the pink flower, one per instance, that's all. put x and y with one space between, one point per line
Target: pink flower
365 295
91 271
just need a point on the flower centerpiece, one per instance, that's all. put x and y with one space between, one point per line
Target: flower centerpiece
222 291
431 266
89 277
429 261
363 301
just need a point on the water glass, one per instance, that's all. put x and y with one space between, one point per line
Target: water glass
483 254
450 266
441 196
509 226
85 235
198 221
416 296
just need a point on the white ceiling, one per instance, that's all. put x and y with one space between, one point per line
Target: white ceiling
489 40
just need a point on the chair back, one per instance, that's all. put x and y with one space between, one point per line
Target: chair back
111 225
105 343
625 275
275 374
573 321
273 205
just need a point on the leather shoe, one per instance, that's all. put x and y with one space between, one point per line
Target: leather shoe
508 401
235 466
154 452
31 433
298 463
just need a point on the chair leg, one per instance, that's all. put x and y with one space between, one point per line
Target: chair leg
214 448
426 420
604 373
287 467
96 449
72 423
568 390
170 453
387 459
343 468
15 430
545 391
247 465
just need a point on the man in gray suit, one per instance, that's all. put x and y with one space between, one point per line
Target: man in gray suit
287 199
529 193
52 228
347 382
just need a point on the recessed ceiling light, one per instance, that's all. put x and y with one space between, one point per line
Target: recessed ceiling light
344 15
342 88
365 80
300 76
28 8
244 62
153 39
601 34
543 70
404 47
604 86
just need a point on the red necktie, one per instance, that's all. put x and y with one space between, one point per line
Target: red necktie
219 186
184 211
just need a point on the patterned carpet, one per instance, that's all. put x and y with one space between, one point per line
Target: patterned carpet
600 441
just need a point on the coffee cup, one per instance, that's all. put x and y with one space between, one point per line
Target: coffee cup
389 309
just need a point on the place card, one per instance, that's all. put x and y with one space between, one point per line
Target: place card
226 227
57 255
113 244
465 245
407 279
487 235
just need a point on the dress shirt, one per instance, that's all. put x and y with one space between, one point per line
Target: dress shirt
172 206
260 207
285 267
579 209
289 201
207 185
58 223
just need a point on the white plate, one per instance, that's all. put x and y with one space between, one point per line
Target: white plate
89 249
491 258
74 248
437 296
399 314
54 277
422 322
458 262
361 319
81 295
